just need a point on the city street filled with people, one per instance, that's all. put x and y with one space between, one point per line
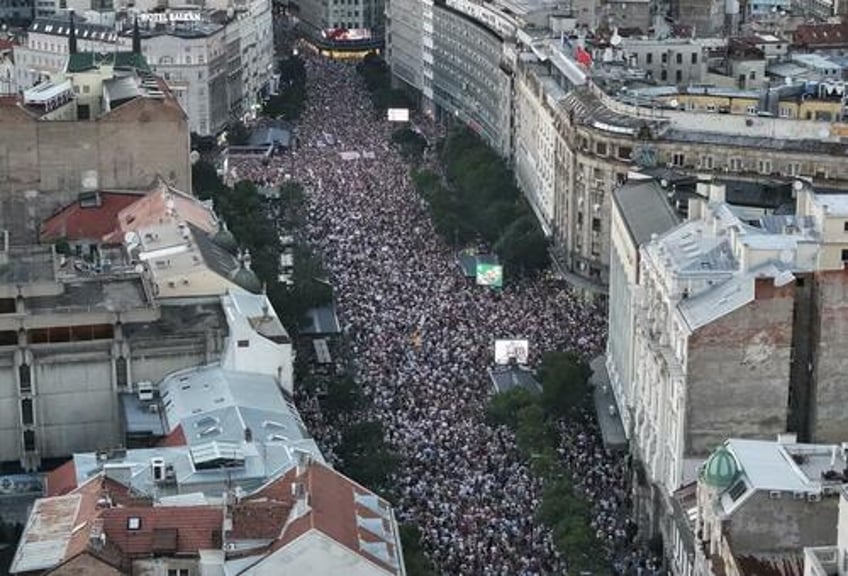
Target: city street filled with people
422 338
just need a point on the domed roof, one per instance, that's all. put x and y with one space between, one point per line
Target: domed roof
225 239
245 278
721 469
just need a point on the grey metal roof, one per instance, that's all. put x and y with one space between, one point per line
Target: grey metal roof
507 378
239 429
321 320
137 416
645 209
121 88
47 533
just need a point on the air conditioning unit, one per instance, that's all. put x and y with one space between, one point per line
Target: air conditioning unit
799 495
157 468
814 497
774 494
145 391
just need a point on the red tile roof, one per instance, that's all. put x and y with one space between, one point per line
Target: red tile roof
821 35
253 520
175 438
6 44
77 223
154 207
171 530
62 480
333 509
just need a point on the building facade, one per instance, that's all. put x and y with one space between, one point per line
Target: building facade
724 330
217 63
572 132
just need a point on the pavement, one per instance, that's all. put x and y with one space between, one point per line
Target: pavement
612 430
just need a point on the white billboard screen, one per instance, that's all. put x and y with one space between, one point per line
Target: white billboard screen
506 350
398 114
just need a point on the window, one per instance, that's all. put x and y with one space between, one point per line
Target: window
785 112
178 572
601 148
26 378
26 411
663 75
244 343
679 58
134 523
596 224
678 76
845 226
29 440
678 159
86 89
752 110
694 57
764 166
707 162
649 57
736 164
752 75
845 255
625 152
794 168
664 57
737 490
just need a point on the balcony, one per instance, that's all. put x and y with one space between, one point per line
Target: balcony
821 561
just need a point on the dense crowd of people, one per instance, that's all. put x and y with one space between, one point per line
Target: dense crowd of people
422 337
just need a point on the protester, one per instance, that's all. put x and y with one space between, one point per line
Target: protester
422 337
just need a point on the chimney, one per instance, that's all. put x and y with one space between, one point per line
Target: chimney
96 535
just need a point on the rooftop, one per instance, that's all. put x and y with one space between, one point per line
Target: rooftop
91 217
764 465
59 26
644 207
84 61
237 428
27 264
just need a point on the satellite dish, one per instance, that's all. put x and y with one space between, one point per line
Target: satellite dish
673 103
194 156
664 183
169 204
130 238
139 268
615 39
798 185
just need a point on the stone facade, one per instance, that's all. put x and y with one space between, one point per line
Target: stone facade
46 164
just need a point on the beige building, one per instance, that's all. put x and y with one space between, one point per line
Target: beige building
162 290
726 329
116 127
759 504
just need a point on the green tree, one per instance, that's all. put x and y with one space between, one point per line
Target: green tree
344 395
565 383
238 134
503 409
366 457
415 559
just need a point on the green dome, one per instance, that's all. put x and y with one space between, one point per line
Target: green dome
225 239
245 278
721 469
